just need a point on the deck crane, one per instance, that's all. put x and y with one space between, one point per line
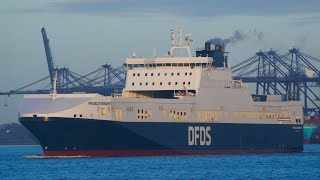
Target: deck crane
48 55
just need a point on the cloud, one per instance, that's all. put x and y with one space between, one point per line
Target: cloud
204 8
305 20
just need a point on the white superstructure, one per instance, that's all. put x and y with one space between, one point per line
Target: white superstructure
170 89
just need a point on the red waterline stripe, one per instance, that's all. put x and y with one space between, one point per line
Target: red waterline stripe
115 153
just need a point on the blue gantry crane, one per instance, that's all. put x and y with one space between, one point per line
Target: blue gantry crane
293 74
104 80
48 55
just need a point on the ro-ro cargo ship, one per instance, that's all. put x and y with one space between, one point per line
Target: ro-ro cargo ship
169 106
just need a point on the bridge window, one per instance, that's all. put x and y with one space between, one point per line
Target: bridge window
174 64
180 64
186 64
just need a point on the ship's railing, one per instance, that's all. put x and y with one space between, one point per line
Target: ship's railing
174 65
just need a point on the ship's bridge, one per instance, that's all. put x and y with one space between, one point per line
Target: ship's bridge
162 77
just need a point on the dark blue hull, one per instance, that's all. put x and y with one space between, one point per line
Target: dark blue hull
63 136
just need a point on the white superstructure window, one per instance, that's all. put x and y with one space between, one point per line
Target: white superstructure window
133 84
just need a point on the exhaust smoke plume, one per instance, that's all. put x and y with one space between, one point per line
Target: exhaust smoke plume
236 37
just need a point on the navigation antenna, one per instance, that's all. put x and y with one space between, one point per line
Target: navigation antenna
179 44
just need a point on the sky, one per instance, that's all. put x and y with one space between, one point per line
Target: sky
85 34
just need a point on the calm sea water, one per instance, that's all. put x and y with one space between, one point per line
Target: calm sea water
15 163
